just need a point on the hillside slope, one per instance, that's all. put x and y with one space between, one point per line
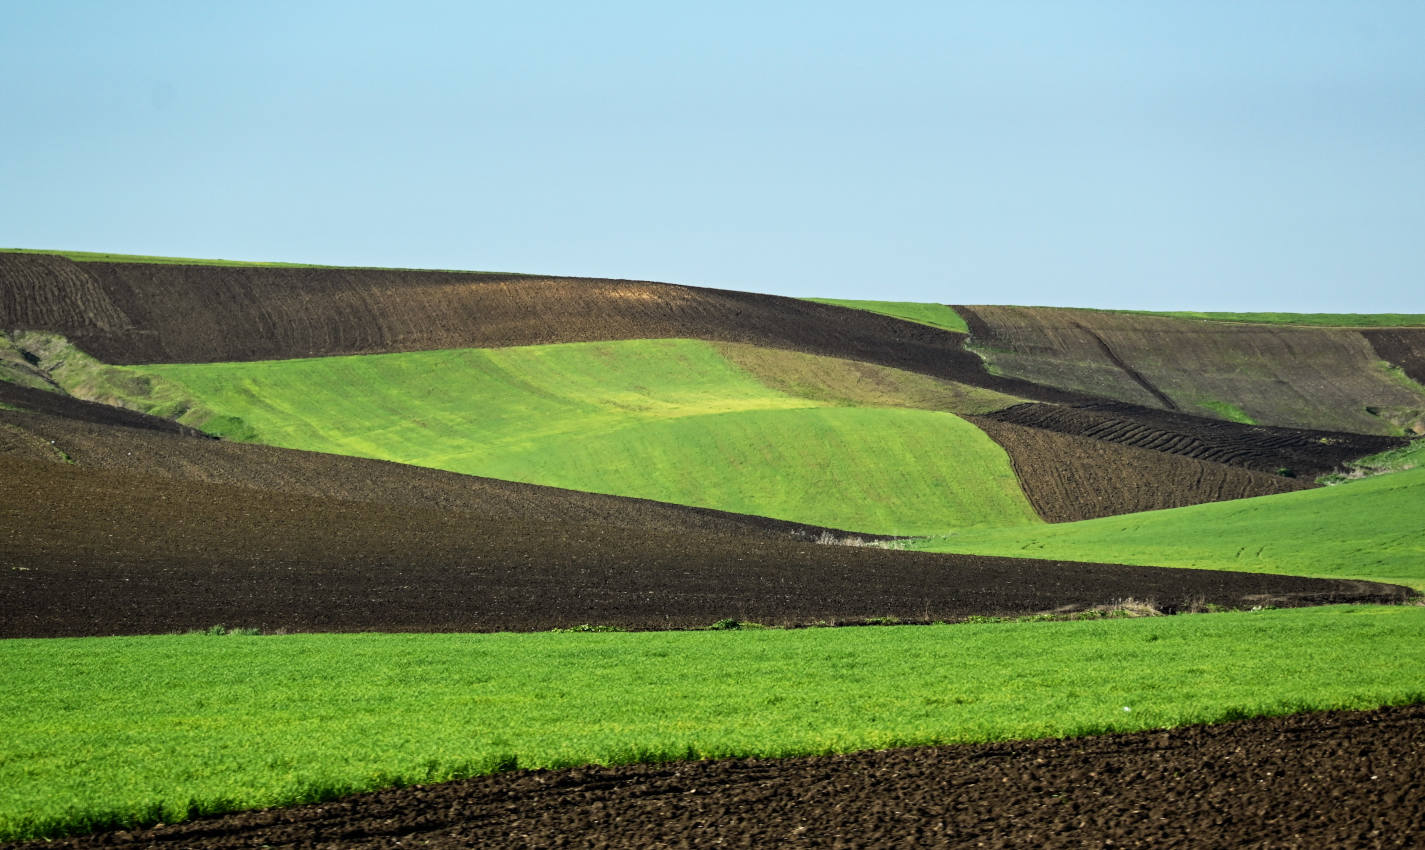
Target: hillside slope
1300 377
670 420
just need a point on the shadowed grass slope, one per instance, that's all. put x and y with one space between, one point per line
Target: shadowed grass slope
1372 529
670 420
171 727
855 383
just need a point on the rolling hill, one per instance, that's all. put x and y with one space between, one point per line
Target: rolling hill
225 448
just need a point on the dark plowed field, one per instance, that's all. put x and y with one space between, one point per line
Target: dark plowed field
1405 347
95 552
1306 453
55 404
90 444
1069 478
1300 377
142 313
1336 779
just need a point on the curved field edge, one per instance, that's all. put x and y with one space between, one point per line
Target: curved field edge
923 313
111 732
668 420
1370 529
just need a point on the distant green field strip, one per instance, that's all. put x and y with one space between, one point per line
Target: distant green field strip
935 315
119 731
671 420
95 257
1333 320
1370 529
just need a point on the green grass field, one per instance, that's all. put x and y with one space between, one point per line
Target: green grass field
671 420
164 728
1369 529
1331 320
935 315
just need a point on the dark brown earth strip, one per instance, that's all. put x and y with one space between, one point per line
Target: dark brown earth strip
326 476
1330 779
1305 453
1403 347
1069 478
138 313
56 404
97 552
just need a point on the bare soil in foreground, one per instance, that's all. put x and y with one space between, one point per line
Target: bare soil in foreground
1333 779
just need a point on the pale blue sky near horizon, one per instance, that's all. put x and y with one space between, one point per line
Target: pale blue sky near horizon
1153 155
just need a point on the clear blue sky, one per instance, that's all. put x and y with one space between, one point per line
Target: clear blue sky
1201 155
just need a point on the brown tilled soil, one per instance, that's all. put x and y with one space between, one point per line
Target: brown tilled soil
141 313
1305 453
96 552
1336 779
1317 378
1068 477
59 405
97 445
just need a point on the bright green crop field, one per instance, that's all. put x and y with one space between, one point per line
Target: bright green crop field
935 315
119 731
1371 529
671 420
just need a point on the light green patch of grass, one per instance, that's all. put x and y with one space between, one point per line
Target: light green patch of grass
1331 320
670 420
1373 529
1224 410
106 732
1401 459
935 315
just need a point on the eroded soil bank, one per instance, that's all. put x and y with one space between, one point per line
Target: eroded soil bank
1331 779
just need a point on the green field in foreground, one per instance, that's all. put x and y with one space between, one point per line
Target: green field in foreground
1368 529
114 731
671 420
935 315
1332 320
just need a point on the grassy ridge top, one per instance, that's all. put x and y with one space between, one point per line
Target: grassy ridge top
245 721
671 420
1369 529
935 315
1326 320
